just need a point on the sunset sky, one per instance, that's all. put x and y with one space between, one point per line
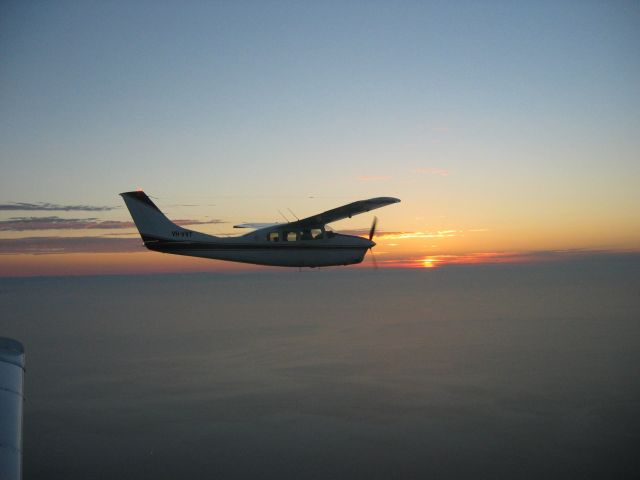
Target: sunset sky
510 130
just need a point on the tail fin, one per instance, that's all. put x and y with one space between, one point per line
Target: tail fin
152 224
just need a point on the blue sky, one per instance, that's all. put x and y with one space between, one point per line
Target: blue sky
530 108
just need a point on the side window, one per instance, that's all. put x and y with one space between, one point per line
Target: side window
316 233
292 236
274 236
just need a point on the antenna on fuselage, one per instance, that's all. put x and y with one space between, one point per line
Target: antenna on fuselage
291 211
282 215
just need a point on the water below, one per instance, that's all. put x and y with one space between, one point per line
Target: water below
460 372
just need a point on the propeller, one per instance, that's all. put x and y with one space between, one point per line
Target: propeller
372 232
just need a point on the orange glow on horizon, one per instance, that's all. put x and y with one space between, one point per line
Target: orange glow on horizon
412 235
27 265
144 262
479 258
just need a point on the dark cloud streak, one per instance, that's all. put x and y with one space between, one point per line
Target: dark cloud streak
52 207
48 245
19 224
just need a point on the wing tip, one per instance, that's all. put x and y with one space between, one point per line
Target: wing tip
385 200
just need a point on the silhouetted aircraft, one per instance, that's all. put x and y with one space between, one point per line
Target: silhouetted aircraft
303 243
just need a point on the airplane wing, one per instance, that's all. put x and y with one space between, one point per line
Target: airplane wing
345 211
255 225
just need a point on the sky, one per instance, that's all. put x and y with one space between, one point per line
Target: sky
510 130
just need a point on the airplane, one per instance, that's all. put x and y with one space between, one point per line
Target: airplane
302 243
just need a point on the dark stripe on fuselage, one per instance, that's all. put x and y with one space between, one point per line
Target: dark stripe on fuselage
164 245
189 246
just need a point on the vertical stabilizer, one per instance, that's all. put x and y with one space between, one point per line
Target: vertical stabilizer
152 224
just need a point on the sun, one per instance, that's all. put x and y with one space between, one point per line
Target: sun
429 262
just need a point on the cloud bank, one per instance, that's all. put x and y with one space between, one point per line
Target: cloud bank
44 245
51 207
19 224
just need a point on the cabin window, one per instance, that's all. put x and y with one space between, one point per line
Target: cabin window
311 234
292 236
274 236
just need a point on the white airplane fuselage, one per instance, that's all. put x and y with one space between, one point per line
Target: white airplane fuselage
335 249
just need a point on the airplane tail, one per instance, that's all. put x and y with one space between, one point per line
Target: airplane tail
152 224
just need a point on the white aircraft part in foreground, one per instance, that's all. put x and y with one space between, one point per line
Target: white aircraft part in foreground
303 243
11 407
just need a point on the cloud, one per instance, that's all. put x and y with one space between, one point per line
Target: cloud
374 178
44 245
18 224
405 235
440 172
51 207
437 234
